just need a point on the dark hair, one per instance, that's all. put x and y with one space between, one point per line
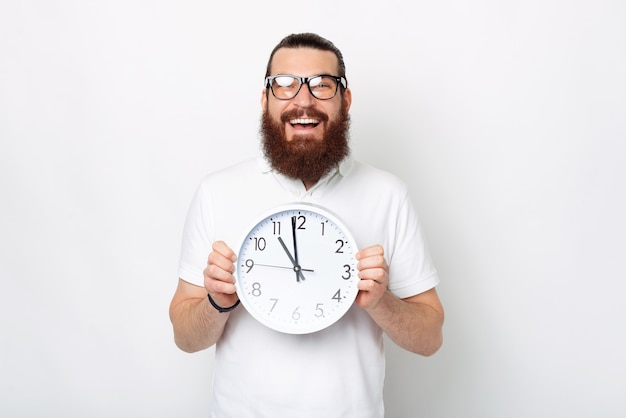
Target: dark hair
308 40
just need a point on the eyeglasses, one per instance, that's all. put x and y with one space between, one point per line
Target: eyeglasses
322 87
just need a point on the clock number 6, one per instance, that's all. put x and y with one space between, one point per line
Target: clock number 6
295 315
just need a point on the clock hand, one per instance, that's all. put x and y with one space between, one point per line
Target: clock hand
296 267
299 275
281 267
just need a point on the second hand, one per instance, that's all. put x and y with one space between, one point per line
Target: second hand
281 267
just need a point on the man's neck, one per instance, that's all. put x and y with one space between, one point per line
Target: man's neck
308 184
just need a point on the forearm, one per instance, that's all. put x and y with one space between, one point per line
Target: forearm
412 325
197 325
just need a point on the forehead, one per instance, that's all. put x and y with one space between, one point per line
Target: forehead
304 62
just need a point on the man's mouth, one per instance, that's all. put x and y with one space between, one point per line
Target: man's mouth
304 122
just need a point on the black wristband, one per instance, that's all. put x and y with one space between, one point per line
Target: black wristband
219 308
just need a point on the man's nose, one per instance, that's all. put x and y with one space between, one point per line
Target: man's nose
304 98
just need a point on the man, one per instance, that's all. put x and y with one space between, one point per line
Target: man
339 371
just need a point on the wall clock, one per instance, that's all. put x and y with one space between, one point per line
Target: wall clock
296 270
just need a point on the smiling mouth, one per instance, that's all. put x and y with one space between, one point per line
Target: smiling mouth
304 122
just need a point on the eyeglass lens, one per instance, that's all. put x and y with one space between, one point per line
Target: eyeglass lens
286 87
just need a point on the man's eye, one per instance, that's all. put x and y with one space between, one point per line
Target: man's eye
284 81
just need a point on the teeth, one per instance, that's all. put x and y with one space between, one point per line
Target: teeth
303 121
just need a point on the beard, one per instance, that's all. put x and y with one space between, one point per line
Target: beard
304 157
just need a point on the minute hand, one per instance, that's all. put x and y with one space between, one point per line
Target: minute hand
296 267
295 250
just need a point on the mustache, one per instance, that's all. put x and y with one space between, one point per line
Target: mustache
298 113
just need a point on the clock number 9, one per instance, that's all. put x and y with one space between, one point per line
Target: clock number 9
249 264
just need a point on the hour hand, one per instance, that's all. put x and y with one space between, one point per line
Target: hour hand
296 268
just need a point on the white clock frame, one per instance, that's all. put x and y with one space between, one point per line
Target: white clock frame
297 297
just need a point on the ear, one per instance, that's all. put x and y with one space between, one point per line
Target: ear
347 99
264 99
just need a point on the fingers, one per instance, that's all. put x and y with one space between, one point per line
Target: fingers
223 258
218 275
374 275
220 247
370 251
372 264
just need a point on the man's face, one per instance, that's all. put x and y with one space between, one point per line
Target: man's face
305 137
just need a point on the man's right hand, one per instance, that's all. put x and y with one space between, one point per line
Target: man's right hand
218 275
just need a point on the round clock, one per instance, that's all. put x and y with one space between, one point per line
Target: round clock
296 270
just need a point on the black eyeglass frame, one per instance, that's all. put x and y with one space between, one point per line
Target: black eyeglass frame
341 81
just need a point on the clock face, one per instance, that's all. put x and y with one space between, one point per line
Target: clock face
296 271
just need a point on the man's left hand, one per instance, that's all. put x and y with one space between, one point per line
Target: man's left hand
374 275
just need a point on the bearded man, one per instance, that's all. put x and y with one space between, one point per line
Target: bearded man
338 371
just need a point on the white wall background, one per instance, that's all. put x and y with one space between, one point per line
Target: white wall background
507 119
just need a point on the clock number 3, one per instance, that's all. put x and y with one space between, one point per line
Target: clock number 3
348 273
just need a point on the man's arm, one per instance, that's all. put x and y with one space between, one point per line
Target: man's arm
414 323
197 324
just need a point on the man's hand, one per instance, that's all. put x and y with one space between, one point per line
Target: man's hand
218 275
197 324
374 275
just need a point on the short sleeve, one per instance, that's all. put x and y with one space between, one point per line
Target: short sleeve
197 239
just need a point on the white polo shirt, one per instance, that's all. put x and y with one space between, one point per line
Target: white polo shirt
336 372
